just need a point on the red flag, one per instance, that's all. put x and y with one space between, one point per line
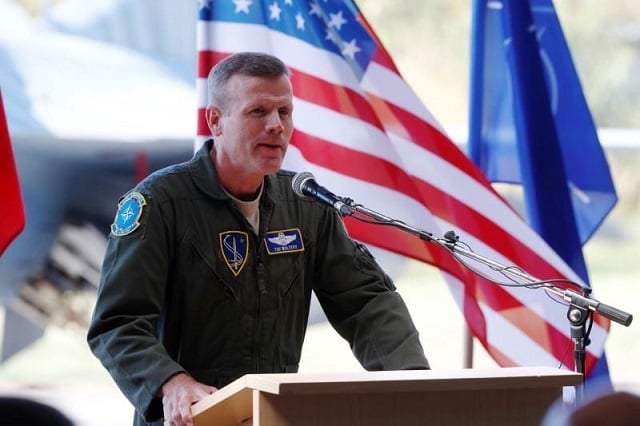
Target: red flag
363 133
12 212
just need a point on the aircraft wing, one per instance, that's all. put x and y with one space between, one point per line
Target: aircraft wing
87 120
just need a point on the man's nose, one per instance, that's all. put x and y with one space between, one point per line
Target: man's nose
274 123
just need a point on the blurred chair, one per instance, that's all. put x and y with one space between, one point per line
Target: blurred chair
614 409
602 409
16 411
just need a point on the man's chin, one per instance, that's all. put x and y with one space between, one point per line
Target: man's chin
271 167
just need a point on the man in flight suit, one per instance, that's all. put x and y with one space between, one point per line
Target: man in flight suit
211 263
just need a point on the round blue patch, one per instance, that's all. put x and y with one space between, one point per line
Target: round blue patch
127 218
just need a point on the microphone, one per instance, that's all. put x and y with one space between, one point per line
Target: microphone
305 185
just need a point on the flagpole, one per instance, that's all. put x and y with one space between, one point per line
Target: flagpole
468 347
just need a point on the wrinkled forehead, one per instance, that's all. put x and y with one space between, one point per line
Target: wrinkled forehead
248 87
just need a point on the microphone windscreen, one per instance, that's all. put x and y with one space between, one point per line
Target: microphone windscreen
298 181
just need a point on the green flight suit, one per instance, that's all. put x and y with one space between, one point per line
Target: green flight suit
187 286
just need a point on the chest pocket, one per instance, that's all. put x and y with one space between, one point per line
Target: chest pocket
284 272
284 254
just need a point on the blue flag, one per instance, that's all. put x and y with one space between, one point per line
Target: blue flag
530 124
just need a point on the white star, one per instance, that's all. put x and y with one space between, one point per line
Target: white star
336 21
205 4
299 21
242 5
350 49
315 9
288 2
275 11
332 36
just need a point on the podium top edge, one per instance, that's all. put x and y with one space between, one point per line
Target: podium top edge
281 383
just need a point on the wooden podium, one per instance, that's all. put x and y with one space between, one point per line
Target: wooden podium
502 396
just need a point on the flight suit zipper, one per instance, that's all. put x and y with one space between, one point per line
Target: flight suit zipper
262 289
266 212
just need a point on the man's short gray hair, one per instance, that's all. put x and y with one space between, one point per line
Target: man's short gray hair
248 63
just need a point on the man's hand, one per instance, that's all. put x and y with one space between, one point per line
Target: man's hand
178 394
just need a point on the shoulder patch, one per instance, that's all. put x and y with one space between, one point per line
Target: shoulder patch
235 249
284 241
127 218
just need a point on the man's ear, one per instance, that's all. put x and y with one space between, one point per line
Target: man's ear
213 115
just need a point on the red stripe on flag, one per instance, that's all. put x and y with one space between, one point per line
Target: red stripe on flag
401 122
380 172
203 127
500 357
332 96
207 59
384 115
12 218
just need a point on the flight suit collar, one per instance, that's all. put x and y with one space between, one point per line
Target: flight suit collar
204 173
205 177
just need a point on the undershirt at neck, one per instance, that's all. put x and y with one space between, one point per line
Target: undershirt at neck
249 209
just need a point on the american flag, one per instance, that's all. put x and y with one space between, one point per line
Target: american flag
12 212
361 129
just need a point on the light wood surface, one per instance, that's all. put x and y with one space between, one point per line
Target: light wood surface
480 396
